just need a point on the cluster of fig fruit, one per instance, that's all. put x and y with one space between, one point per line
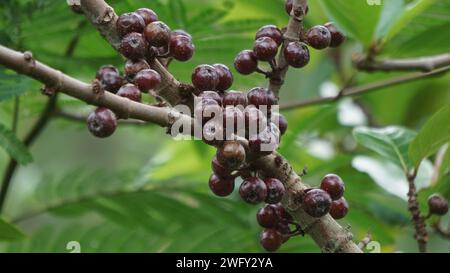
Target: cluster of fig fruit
276 221
143 38
269 39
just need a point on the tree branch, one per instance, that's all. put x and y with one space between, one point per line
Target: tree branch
359 90
292 33
25 64
327 233
418 220
428 63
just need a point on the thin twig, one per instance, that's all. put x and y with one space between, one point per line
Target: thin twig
428 63
32 135
292 33
421 234
359 90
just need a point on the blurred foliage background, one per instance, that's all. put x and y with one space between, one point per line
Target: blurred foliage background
140 191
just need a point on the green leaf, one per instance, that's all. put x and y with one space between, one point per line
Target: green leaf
15 148
434 134
356 18
407 16
9 232
391 12
424 25
390 176
391 142
13 84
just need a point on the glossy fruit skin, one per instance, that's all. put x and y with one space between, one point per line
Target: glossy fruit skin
253 190
111 81
333 185
246 62
271 240
106 68
131 92
147 79
317 203
205 77
231 155
268 216
270 31
319 37
133 46
284 230
275 190
437 205
148 15
128 23
132 68
297 54
235 98
157 34
279 120
213 95
181 48
260 96
339 208
225 77
181 32
265 49
220 170
102 122
220 186
337 37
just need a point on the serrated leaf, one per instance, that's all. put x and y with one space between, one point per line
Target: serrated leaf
390 142
8 232
434 134
15 148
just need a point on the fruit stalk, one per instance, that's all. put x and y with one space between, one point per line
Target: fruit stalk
292 34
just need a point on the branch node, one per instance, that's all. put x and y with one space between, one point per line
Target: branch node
30 61
97 89
107 16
